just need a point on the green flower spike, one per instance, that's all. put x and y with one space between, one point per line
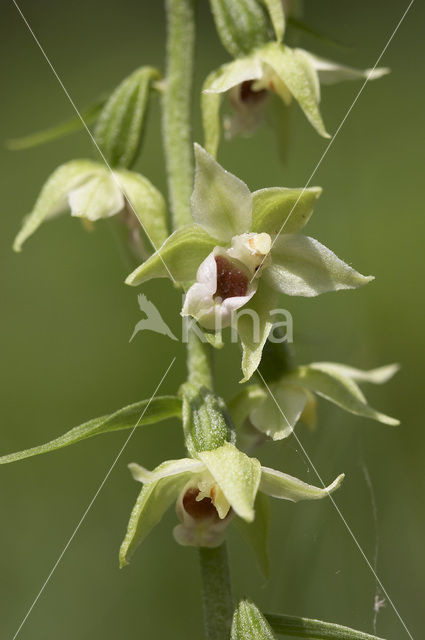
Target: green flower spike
272 69
293 396
91 191
243 249
208 491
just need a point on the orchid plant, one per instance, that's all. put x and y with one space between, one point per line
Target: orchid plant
232 252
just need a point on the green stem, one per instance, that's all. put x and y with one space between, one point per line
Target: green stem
216 592
177 108
199 362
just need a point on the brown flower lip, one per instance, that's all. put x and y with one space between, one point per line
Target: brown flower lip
199 509
248 95
232 281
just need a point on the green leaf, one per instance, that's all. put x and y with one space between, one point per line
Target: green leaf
279 414
254 325
244 402
53 198
314 629
277 16
148 204
256 533
120 125
281 485
178 258
336 387
89 115
221 203
297 73
206 421
279 210
250 624
241 25
302 266
155 498
140 413
237 475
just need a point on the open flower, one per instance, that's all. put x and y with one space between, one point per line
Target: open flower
207 491
275 412
91 191
243 249
272 69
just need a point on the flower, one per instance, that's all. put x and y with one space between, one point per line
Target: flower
272 69
208 491
91 191
291 398
245 248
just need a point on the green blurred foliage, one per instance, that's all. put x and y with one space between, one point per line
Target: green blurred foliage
67 318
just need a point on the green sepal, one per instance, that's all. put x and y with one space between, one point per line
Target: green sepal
314 629
241 25
256 533
140 414
241 405
206 420
250 624
89 115
178 258
119 128
280 210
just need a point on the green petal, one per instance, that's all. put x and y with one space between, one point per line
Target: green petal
279 210
256 533
220 202
279 414
277 16
254 327
140 413
237 475
234 73
297 73
280 485
331 72
119 128
374 376
339 389
53 198
178 258
99 197
153 501
148 204
244 402
250 624
302 266
314 629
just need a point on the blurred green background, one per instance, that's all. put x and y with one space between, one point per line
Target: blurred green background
67 318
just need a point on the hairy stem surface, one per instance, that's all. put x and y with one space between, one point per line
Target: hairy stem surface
177 108
216 592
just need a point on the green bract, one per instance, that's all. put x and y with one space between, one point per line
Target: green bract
291 397
92 191
250 624
274 68
228 477
241 24
243 249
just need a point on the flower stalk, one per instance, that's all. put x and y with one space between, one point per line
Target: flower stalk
177 108
216 592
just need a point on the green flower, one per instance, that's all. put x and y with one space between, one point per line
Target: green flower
207 492
272 69
90 191
276 411
245 248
